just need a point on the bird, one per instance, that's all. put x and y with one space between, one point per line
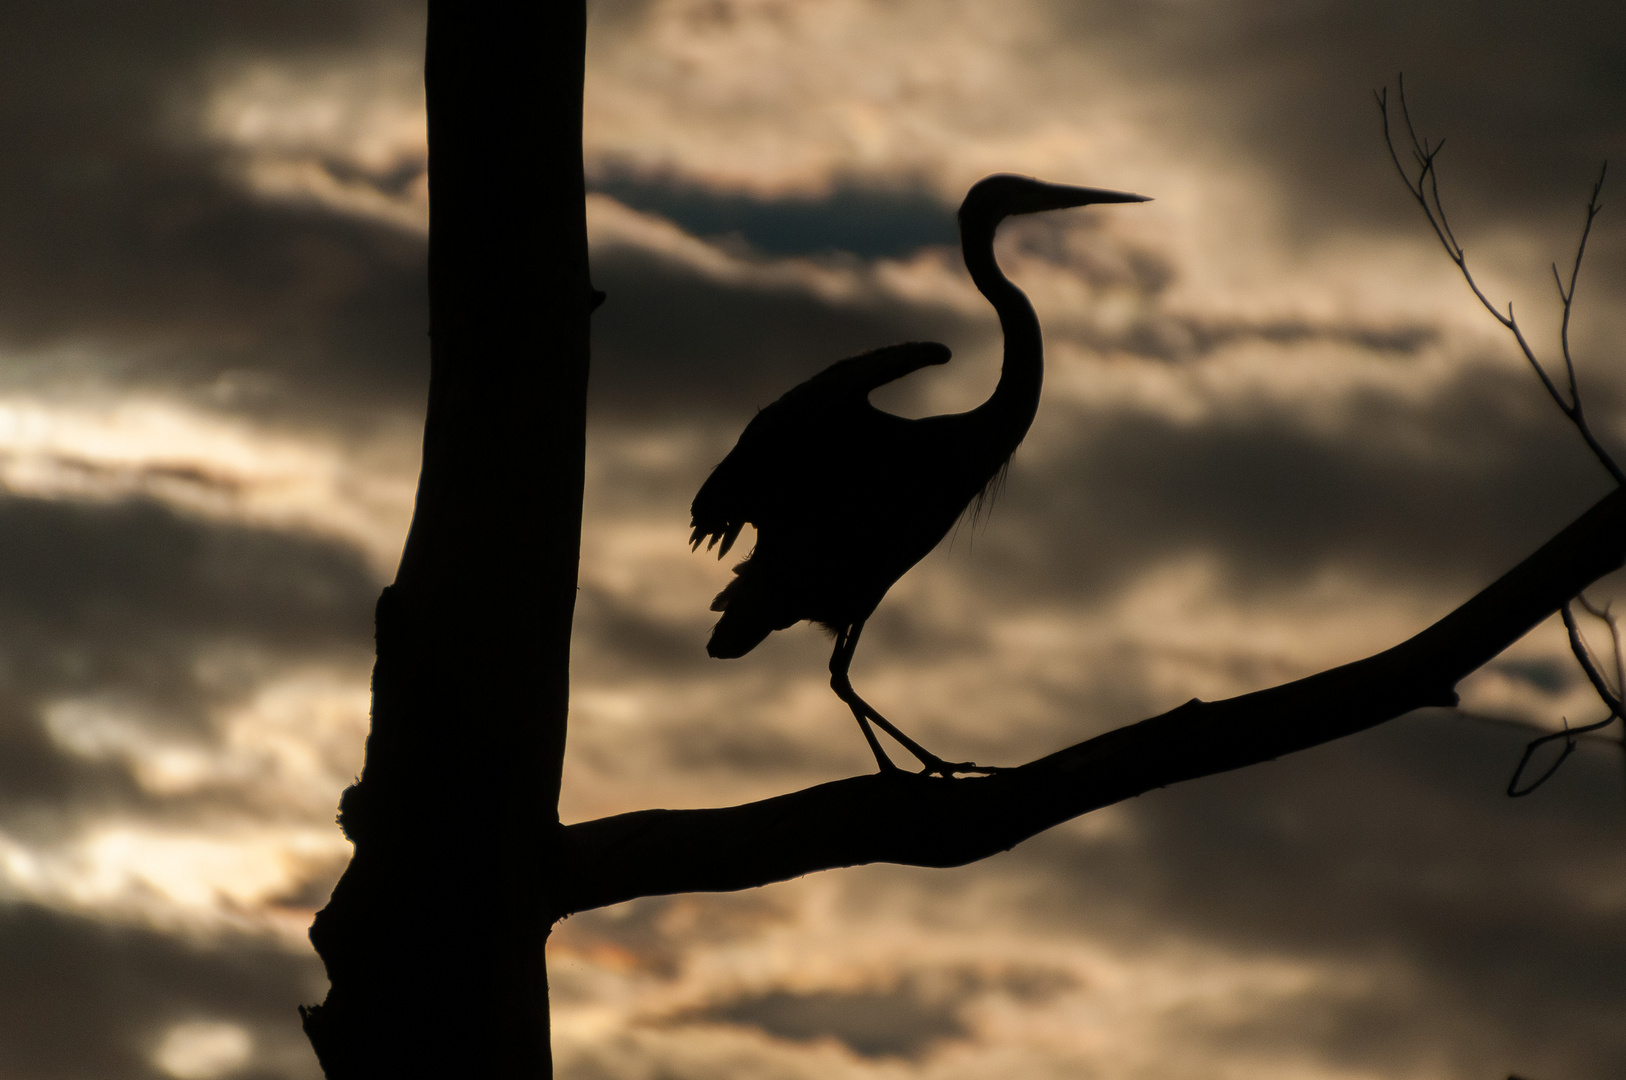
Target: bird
845 498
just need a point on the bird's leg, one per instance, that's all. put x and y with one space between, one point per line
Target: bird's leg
840 661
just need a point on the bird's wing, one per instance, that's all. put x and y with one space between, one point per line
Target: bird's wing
790 441
724 502
865 372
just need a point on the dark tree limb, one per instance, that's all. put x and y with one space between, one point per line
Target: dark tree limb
930 821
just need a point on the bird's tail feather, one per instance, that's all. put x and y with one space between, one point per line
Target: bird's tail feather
733 637
743 625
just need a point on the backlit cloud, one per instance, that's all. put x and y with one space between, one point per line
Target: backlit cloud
1277 434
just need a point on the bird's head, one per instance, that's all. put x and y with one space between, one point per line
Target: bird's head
1002 195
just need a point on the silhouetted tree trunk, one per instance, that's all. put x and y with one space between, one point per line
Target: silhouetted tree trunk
434 937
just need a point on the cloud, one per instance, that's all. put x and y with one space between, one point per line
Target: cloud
145 625
900 88
99 447
127 239
655 934
907 1018
693 329
134 567
1449 491
867 223
895 1022
1394 844
130 988
1296 87
1275 435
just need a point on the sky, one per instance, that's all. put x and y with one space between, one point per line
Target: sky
1277 434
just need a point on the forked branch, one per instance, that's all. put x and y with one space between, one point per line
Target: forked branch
1425 190
1609 695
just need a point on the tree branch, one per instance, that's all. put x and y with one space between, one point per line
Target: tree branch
929 821
1600 686
1425 191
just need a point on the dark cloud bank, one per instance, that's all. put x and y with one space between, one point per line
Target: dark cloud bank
1446 494
83 1000
1530 95
1395 846
120 230
120 234
119 601
114 231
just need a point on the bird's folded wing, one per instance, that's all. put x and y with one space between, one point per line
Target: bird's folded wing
788 446
725 501
865 372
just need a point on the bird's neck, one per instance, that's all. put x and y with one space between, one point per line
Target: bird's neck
1015 401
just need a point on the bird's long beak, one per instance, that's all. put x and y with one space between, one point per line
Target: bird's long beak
1003 194
1037 196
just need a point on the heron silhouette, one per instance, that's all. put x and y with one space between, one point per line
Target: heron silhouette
845 498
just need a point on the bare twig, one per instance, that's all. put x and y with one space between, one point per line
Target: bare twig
1425 189
1610 619
1609 695
1583 653
1569 735
1613 621
1567 296
1524 723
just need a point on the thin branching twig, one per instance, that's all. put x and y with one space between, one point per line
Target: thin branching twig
1607 615
1610 695
1425 189
1526 724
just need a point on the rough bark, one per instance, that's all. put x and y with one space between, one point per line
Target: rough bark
437 969
929 821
